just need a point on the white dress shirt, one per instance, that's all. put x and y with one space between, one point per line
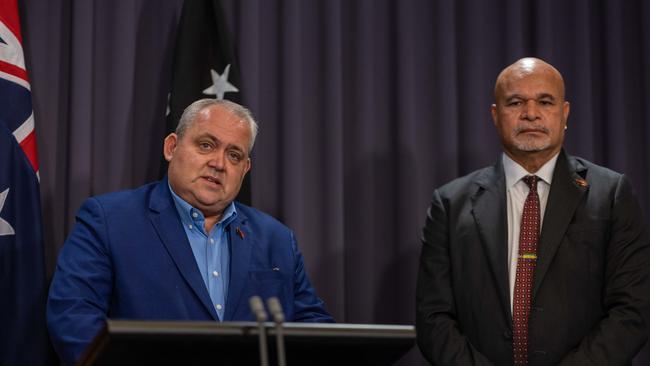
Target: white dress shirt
516 193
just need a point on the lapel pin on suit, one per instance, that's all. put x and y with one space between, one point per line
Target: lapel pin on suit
581 182
239 232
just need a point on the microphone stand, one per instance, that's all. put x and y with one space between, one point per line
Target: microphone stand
275 309
257 307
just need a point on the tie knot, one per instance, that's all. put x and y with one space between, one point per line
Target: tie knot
531 181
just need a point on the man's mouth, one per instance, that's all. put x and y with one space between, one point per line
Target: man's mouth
526 130
532 131
213 180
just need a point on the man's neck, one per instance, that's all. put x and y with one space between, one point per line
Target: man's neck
532 161
211 216
210 221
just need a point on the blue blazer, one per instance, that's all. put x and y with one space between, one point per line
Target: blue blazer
128 257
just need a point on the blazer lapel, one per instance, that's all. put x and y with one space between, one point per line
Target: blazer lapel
241 239
165 220
563 199
489 211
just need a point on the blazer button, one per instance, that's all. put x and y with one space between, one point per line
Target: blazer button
507 334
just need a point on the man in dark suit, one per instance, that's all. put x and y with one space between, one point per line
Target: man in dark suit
541 259
180 248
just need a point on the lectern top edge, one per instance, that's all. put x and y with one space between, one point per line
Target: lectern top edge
247 328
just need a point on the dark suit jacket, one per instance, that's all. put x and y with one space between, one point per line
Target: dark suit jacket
591 290
128 257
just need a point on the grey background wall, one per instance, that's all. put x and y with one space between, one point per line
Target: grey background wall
364 108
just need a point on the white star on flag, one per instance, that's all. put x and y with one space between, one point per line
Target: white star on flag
5 228
220 84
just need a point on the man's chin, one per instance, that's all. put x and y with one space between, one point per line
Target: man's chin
212 208
532 146
210 197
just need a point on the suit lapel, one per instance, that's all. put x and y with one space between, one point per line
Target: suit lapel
164 218
489 211
240 237
563 199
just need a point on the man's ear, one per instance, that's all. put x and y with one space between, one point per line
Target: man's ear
169 146
493 111
566 108
249 163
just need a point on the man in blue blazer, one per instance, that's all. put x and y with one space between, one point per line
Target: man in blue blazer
180 248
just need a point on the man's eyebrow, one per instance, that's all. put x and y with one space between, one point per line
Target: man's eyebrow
545 96
538 96
209 136
236 147
513 96
216 140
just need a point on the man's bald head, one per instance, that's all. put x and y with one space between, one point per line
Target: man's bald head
530 112
525 67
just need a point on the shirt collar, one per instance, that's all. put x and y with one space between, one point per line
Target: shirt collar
514 172
186 211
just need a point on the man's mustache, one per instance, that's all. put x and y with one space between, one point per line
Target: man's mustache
529 128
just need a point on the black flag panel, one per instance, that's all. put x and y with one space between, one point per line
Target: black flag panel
204 65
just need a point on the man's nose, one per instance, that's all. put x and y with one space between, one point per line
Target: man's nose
530 110
217 160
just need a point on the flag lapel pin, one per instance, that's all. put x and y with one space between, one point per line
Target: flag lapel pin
239 232
581 182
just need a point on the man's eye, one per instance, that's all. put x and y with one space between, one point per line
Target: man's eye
236 157
205 146
514 103
546 102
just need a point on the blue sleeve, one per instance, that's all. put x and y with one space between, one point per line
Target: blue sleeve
307 306
79 296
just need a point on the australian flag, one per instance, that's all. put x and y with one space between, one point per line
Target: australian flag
23 336
204 64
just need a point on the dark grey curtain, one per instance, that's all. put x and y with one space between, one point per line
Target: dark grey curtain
364 107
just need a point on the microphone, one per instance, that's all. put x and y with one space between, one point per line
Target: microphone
257 307
278 317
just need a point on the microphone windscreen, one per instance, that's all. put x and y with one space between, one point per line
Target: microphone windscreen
275 308
257 307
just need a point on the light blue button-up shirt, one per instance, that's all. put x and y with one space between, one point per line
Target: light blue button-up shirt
210 249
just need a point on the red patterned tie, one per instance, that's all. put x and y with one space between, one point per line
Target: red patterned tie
528 237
